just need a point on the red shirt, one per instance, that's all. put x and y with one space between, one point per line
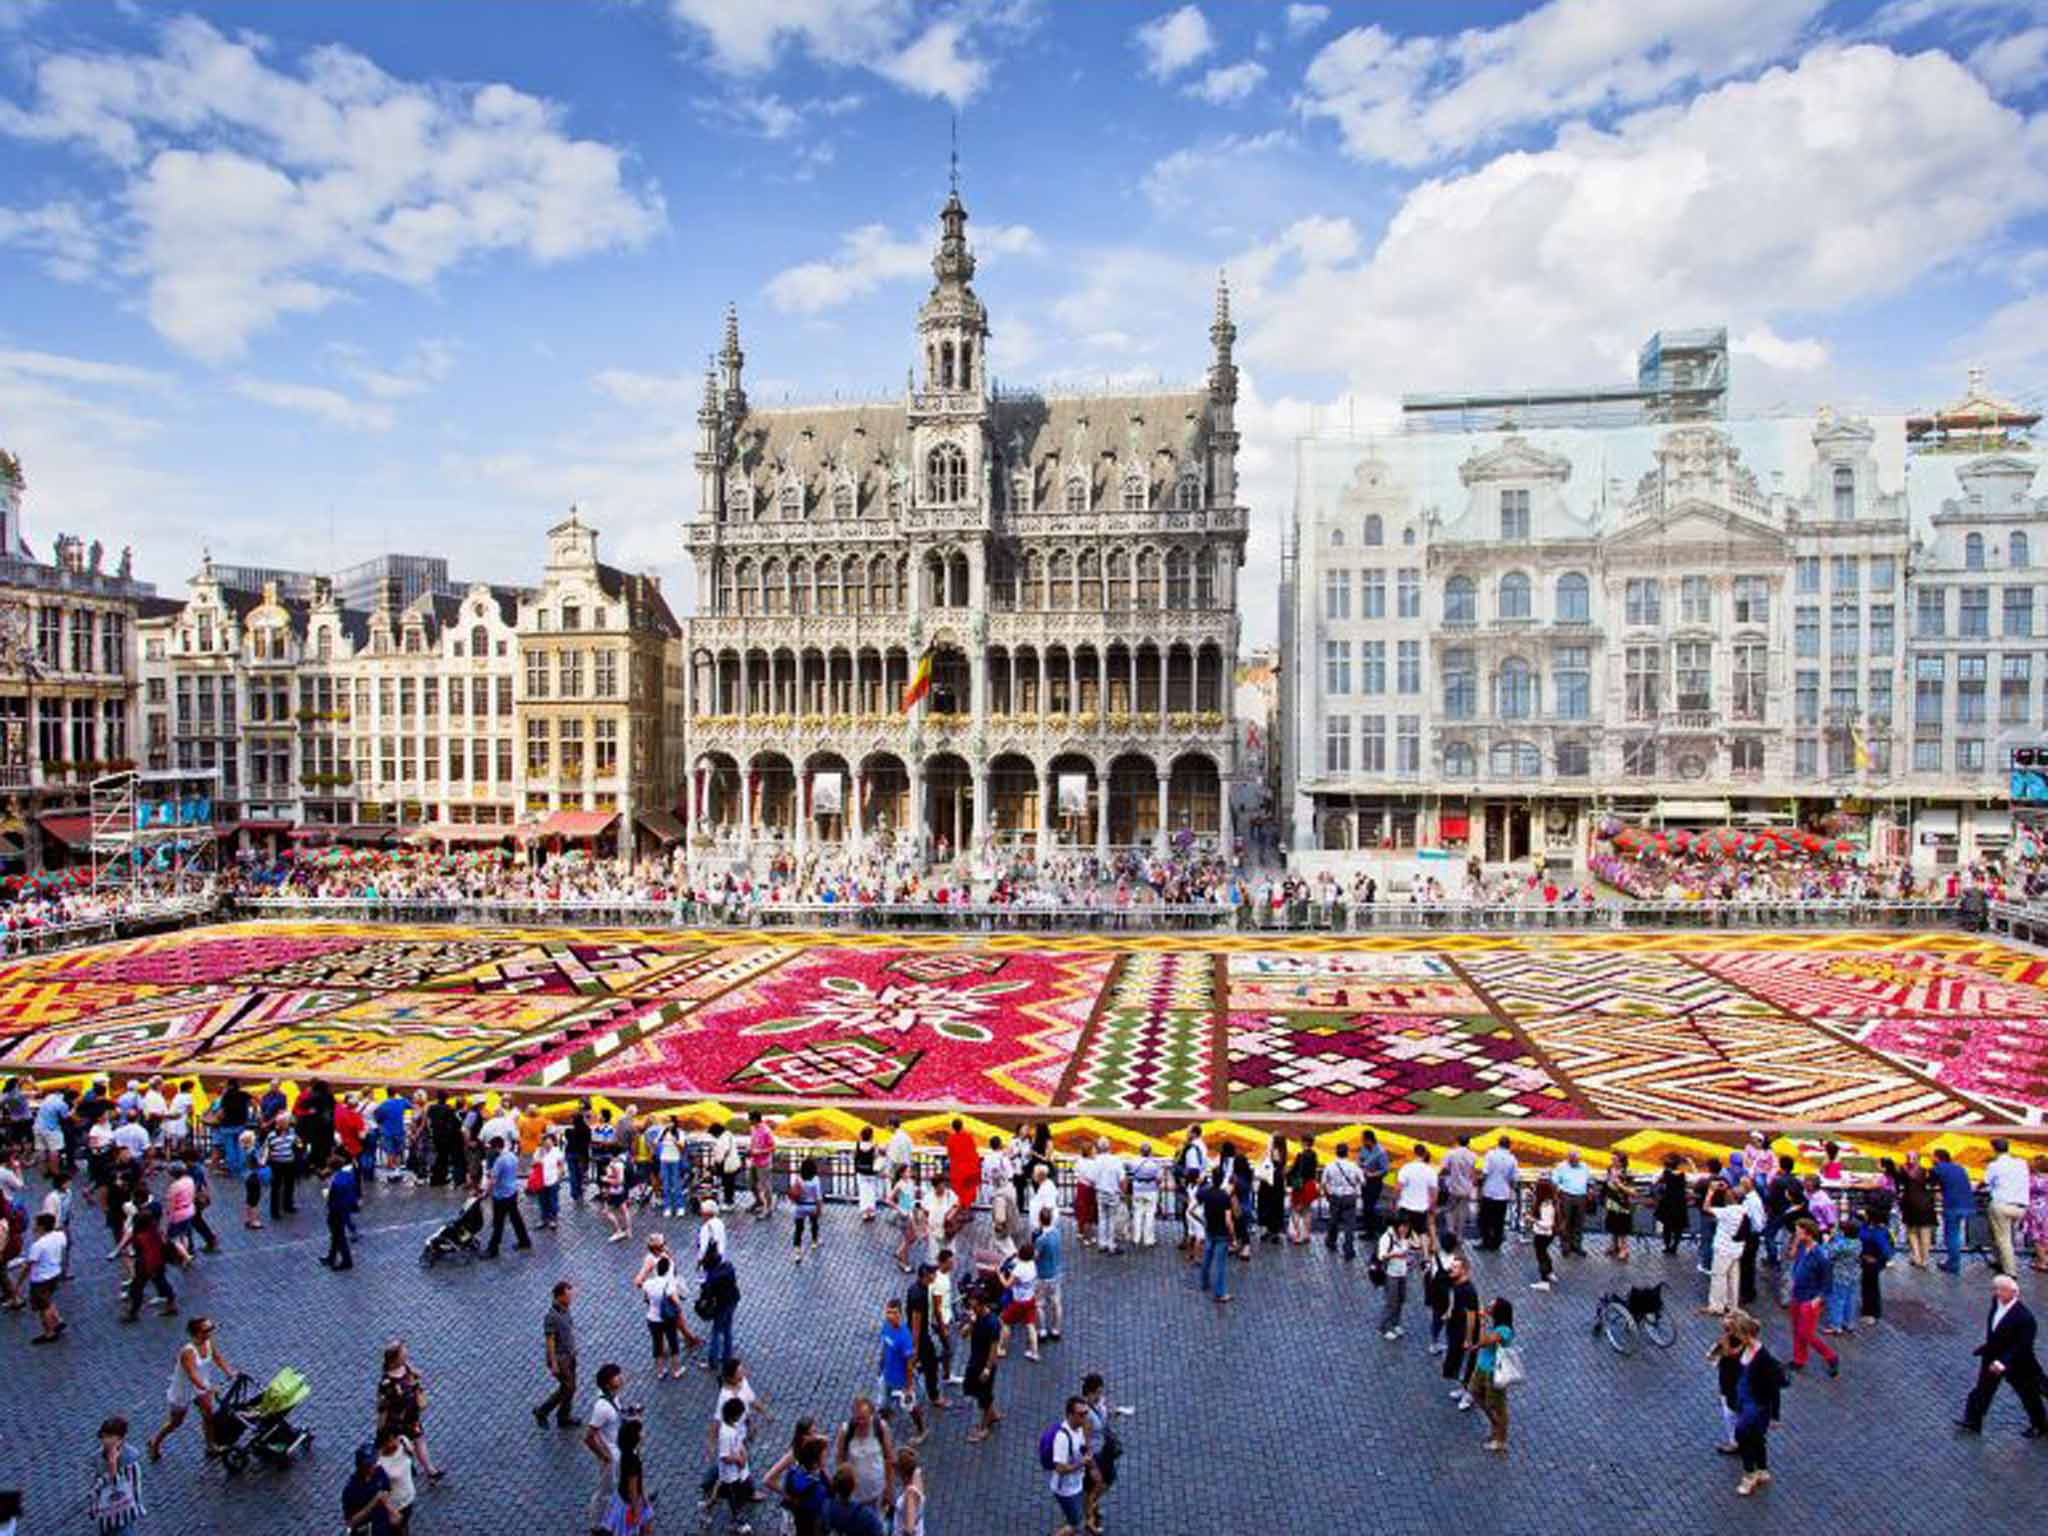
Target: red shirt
348 1128
963 1166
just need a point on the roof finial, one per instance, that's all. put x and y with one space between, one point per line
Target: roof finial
953 169
1222 296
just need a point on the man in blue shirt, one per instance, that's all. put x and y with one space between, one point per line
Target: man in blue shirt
390 1118
898 1388
1573 1178
1958 1200
1046 1246
1375 1165
343 1196
505 1198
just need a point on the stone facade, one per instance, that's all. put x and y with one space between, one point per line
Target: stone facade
1068 564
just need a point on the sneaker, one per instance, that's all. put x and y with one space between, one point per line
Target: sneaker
1539 1285
1391 1333
1464 1402
1436 1347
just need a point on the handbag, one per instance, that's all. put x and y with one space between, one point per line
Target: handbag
671 1308
1508 1368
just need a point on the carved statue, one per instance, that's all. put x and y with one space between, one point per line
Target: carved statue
127 566
97 554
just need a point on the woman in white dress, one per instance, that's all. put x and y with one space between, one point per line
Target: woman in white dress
202 1370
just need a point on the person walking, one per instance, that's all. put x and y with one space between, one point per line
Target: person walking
1725 1355
718 1300
576 1143
114 1498
1958 1201
1573 1180
611 1195
149 1263
864 1444
909 1212
806 1198
1343 1184
504 1165
1618 1206
394 1460
1048 1254
1874 1256
907 1517
1304 1188
2007 1189
1916 1209
1543 1219
402 1406
46 1263
1219 1235
984 1329
920 1316
1496 1331
1812 1276
663 1293
1070 1462
1497 1175
1671 1202
867 1181
196 1380
558 1343
1759 1393
545 1180
896 1378
631 1510
344 1197
2006 1358
601 1439
761 1164
1393 1256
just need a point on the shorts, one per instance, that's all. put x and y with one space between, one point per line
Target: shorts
1619 1224
1021 1314
982 1389
904 1398
50 1143
1071 1509
40 1293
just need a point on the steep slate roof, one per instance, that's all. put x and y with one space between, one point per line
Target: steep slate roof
1050 433
641 592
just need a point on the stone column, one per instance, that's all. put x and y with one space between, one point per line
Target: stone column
914 832
1073 680
1102 817
1159 838
749 789
1046 785
856 834
1135 707
803 806
1044 700
743 701
981 806
1226 834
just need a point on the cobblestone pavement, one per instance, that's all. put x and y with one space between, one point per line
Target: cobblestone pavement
1283 1412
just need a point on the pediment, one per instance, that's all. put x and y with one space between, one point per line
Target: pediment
1515 459
1697 522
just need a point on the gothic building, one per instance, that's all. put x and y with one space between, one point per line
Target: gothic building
1068 565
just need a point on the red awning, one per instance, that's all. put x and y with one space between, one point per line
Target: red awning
73 831
575 824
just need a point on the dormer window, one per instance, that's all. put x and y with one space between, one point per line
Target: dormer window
572 616
1845 493
946 475
792 503
1134 493
842 500
1514 516
1190 495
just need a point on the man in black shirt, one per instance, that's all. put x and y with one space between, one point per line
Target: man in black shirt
233 1111
983 1332
444 1127
1461 1328
1219 1230
917 1312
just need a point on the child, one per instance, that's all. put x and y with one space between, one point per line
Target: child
256 1172
630 1511
1844 1248
735 1478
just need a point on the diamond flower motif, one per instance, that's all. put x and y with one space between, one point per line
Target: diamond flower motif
850 1006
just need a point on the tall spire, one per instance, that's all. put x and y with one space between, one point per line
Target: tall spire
732 360
1222 337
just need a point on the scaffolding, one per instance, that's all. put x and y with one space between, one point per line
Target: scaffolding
153 834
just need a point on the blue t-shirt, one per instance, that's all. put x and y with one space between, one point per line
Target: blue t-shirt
505 1176
51 1112
390 1116
1487 1355
896 1348
1957 1193
1047 1246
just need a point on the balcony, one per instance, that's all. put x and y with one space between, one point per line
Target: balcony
1689 720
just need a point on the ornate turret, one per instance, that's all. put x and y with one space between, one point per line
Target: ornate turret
1222 337
1223 435
731 360
12 484
952 324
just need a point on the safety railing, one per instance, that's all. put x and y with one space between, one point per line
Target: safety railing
151 917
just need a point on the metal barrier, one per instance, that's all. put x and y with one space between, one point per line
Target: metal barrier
129 921
1298 917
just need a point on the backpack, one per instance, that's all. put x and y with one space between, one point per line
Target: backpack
1048 1446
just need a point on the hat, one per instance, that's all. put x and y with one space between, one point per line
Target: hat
366 1455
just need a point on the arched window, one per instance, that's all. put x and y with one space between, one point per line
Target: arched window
1459 763
902 583
1514 596
1062 593
1177 595
1205 579
1515 690
1514 760
799 586
479 641
774 587
2016 551
1574 598
1077 494
1845 493
1135 497
1375 530
749 599
1336 538
828 585
1119 579
1408 534
934 580
323 648
1034 583
1461 601
1189 497
946 475
881 585
1148 578
842 500
1973 552
792 503
1020 492
1090 600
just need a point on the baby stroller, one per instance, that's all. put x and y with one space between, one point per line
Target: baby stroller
259 1423
458 1238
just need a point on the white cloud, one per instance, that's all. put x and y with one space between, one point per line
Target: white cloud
769 116
328 405
2013 63
1193 174
1172 42
57 232
426 365
887 38
81 370
258 191
671 393
1413 100
1222 87
1803 354
1304 19
870 256
1805 191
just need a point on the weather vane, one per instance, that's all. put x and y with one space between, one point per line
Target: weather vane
953 176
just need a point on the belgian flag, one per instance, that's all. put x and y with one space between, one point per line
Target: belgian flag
920 683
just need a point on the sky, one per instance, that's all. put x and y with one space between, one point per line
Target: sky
298 283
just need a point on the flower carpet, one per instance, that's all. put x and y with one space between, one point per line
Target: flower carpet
1925 1029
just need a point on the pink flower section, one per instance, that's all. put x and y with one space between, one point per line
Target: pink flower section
2002 1058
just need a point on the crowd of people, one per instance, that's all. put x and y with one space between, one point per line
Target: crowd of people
981 1234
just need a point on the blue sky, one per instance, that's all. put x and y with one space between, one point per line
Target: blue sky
299 282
